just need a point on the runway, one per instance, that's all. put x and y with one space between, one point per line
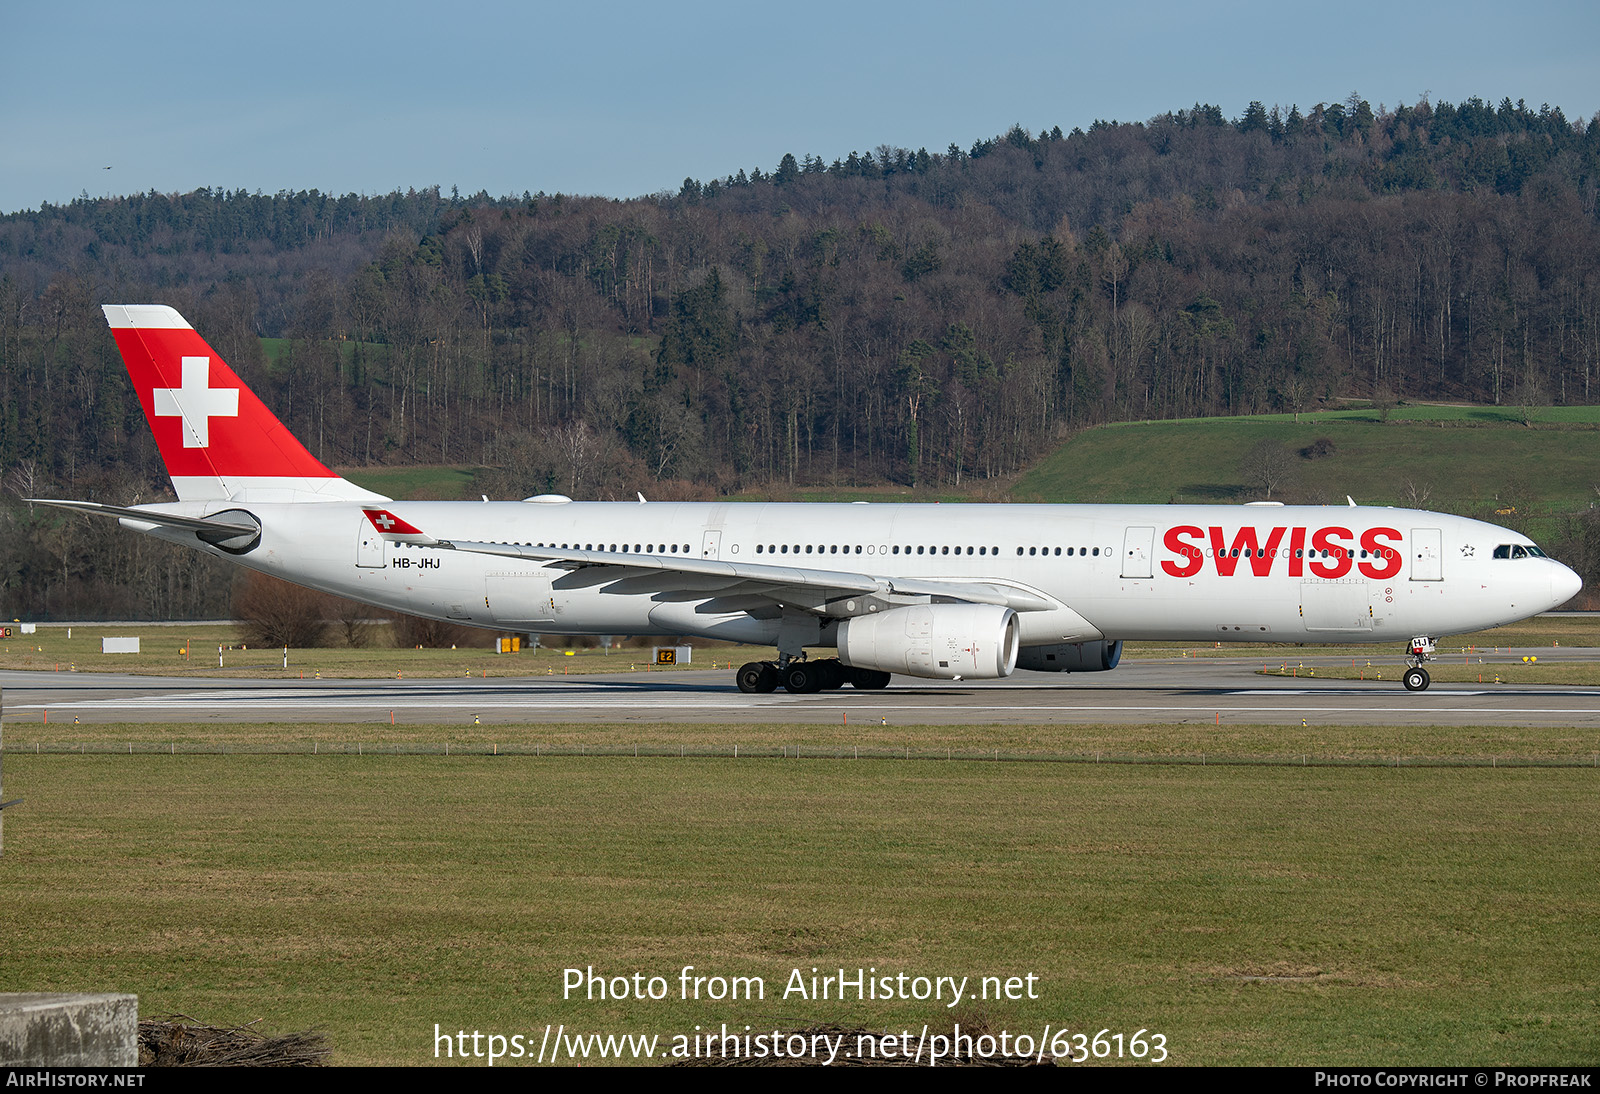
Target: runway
1156 691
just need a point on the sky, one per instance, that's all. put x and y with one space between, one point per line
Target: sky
625 99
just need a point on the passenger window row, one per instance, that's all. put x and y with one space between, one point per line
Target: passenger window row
614 548
836 549
920 549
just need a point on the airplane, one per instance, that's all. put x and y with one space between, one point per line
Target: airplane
950 592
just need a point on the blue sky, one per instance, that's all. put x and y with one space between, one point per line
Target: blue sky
626 99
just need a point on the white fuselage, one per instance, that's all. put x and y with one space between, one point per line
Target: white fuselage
1184 573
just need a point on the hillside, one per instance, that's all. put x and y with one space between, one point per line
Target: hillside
895 316
890 321
1460 459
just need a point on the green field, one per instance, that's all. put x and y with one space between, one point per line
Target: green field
1251 915
420 482
1470 460
163 652
1472 669
1479 461
1246 742
192 650
1467 459
1541 631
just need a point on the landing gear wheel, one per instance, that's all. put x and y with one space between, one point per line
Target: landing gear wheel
802 677
1417 679
869 679
757 676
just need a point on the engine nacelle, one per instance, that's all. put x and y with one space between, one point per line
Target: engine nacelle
934 641
1095 656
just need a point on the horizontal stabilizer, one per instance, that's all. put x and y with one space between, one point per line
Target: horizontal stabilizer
168 520
235 531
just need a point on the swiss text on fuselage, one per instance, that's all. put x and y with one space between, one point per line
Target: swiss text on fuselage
1298 552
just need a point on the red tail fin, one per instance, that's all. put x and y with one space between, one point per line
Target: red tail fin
217 439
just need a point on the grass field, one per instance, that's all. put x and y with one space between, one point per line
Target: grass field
421 482
162 653
1451 670
1542 631
1468 460
1251 915
1310 913
1471 460
1292 743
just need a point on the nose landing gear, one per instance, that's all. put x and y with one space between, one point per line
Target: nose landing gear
1416 677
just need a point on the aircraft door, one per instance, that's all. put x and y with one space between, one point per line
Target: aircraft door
371 548
1427 555
711 546
1138 548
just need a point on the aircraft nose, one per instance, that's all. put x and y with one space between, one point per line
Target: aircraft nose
1564 585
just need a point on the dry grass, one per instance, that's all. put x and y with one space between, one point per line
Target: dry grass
1252 915
1292 743
193 651
180 1041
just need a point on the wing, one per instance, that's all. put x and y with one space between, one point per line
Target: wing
834 593
831 593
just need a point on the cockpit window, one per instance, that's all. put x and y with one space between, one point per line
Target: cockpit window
1518 550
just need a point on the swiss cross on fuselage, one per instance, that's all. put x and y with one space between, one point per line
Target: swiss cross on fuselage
197 402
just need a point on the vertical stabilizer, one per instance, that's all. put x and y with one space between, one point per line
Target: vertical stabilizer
217 439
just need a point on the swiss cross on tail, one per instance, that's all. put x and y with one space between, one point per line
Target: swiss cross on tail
395 530
217 439
197 402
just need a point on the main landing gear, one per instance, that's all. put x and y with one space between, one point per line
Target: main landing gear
806 676
1416 677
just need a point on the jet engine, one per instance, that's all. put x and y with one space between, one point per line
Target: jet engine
1071 657
935 641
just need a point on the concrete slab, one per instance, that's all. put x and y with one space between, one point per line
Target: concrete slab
57 1029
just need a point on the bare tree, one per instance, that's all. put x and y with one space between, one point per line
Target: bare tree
24 480
1417 493
354 620
580 448
1268 466
276 613
412 631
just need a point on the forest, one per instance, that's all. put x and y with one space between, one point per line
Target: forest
936 320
